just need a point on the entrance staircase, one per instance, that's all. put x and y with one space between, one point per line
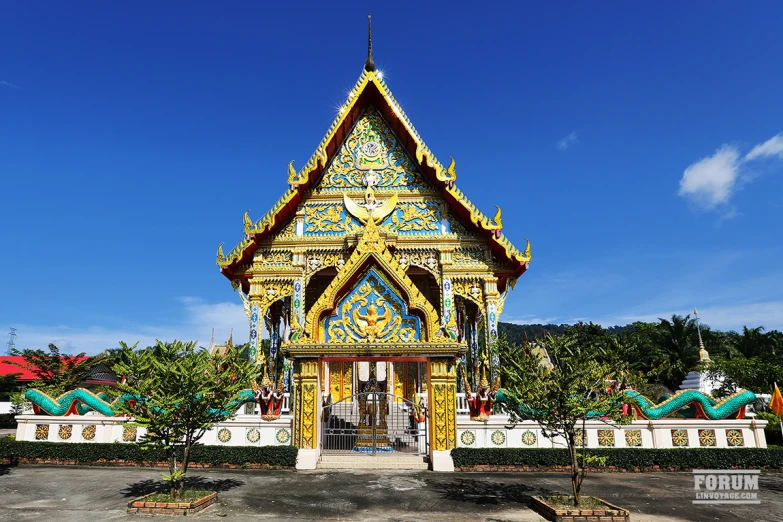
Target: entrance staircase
377 461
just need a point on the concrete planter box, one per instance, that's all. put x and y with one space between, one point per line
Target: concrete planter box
140 505
612 513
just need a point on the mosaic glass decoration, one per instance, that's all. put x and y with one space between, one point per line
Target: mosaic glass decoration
371 146
707 438
65 431
529 438
606 437
498 438
579 438
224 435
467 438
680 438
283 436
373 311
129 434
633 438
41 431
735 438
88 432
253 435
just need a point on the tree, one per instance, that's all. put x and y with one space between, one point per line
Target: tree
677 347
178 393
562 397
56 373
8 385
753 374
752 342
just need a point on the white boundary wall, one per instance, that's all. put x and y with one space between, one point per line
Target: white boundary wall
244 430
498 432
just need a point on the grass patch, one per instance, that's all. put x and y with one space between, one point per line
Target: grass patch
189 495
567 502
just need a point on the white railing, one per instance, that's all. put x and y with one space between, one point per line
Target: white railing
462 403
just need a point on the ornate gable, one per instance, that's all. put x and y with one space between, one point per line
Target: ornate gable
372 142
371 146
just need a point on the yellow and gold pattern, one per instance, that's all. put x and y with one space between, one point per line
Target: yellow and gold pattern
371 146
371 250
443 379
410 217
370 141
372 312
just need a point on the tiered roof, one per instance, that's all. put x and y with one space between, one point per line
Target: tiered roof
371 90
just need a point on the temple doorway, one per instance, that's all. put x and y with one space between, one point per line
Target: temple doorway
375 408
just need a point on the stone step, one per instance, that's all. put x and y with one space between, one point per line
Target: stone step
423 466
379 461
390 457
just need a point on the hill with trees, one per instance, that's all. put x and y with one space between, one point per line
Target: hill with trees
665 351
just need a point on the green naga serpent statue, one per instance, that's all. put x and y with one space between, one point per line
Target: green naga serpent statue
80 401
688 403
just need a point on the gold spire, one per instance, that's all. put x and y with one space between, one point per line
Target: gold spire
704 355
369 65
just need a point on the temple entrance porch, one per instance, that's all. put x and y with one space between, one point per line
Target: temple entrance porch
386 414
400 411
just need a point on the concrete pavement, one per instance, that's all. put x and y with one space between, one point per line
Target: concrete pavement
67 493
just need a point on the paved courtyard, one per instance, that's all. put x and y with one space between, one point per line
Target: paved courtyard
31 493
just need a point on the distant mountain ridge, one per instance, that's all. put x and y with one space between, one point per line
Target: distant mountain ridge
515 332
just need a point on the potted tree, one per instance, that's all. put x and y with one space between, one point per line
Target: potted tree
561 382
178 392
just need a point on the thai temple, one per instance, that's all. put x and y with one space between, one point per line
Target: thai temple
377 287
374 267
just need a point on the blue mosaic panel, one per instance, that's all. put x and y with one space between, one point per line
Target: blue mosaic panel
372 311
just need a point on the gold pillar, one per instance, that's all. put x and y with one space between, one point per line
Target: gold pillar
443 403
305 403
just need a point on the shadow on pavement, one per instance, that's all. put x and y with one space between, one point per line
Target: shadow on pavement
4 469
144 487
482 493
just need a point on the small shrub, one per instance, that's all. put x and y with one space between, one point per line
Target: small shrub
89 453
626 458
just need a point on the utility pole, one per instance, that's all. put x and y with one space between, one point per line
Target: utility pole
11 344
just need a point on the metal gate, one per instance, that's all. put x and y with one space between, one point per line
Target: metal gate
374 423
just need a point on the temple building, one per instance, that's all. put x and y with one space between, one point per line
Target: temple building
375 278
378 287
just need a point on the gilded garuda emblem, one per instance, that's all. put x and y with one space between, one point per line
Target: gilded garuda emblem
371 208
372 312
372 325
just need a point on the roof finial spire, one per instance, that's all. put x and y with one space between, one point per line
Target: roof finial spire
704 355
369 65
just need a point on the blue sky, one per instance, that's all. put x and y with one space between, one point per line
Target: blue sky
638 146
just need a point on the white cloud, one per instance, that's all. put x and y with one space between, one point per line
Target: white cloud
566 142
200 318
529 319
728 215
710 181
733 317
10 85
771 147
